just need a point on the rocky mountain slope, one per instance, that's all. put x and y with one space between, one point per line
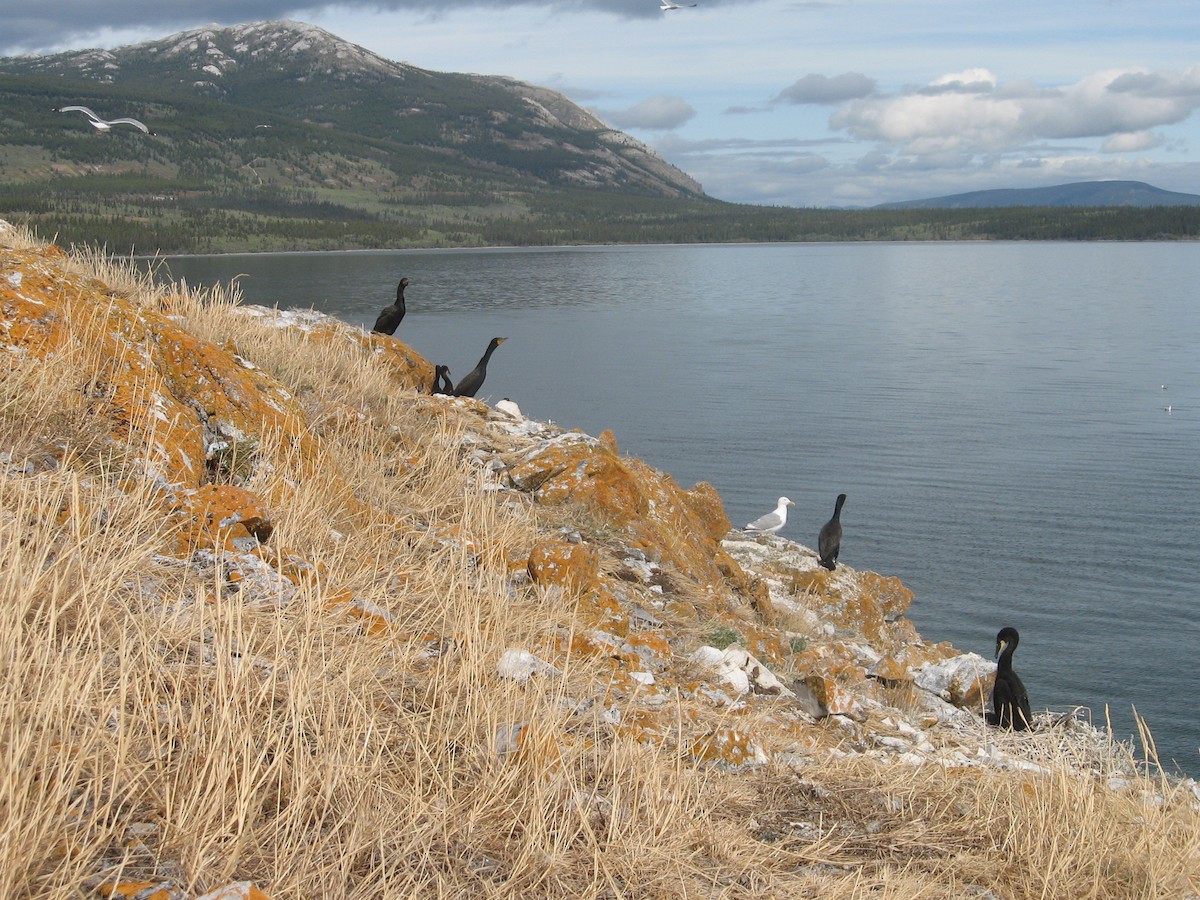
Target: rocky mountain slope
285 121
277 621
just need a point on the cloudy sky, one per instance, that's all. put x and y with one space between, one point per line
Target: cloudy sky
788 102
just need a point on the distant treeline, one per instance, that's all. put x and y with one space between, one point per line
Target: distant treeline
143 214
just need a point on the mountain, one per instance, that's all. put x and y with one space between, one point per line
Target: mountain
1081 193
281 119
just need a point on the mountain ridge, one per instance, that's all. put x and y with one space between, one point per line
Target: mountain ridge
303 72
1078 193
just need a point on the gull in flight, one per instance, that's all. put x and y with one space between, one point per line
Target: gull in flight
103 125
667 5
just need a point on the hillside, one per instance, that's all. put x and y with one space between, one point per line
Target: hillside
282 136
277 622
272 124
1081 193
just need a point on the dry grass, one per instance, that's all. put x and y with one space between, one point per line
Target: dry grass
156 723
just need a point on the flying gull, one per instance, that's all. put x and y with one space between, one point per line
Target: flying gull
667 6
104 124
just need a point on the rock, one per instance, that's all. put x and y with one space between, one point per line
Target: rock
963 681
521 665
740 670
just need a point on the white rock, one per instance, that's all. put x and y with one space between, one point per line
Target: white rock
520 665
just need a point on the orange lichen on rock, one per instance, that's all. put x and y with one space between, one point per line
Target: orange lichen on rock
214 515
673 526
575 567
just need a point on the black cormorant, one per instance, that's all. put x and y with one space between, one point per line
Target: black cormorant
829 541
441 381
474 379
772 521
390 316
1010 702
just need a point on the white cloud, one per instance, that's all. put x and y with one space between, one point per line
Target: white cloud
972 112
1132 143
658 113
822 89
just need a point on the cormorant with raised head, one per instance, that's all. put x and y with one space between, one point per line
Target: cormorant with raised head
390 316
829 541
441 381
1010 702
473 381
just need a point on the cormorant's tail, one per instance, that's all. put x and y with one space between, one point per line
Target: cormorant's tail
830 564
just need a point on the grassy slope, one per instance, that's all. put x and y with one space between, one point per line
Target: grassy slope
157 725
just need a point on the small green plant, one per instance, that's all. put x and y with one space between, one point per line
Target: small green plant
799 643
721 637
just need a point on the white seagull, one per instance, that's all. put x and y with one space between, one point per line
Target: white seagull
667 5
772 521
104 125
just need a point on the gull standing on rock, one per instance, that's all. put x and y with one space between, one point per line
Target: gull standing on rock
772 521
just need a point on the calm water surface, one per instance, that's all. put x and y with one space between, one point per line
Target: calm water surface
994 412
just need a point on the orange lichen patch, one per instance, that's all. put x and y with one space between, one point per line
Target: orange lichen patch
890 669
575 567
372 619
770 645
676 527
600 608
405 366
213 516
184 405
136 890
831 695
727 745
642 726
651 645
862 602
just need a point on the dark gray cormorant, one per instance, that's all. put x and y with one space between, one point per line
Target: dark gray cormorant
829 541
441 381
1010 702
474 379
390 316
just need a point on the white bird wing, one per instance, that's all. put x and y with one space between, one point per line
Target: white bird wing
83 109
765 523
129 121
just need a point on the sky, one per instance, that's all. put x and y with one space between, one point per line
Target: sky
811 103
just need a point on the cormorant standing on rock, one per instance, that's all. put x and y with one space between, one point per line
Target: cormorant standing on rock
829 541
772 521
441 381
1010 702
390 316
471 384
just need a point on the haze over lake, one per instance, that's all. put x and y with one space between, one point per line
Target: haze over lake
995 413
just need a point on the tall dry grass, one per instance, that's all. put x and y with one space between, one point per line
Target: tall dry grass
157 723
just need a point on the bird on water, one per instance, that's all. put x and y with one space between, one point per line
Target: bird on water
772 521
829 541
473 380
441 381
1010 702
390 316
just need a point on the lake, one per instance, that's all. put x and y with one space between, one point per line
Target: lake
995 412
